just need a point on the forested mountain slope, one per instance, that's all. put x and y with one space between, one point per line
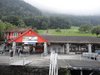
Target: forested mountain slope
17 8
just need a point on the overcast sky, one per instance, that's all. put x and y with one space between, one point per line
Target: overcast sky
75 7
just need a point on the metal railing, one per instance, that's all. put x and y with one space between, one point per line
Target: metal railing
53 68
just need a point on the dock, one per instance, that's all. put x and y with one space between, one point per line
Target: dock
76 62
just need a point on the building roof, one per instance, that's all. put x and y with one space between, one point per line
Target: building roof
17 30
71 39
28 33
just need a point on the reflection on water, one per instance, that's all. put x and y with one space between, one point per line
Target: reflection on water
84 72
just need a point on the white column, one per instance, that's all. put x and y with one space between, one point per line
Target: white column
63 49
45 48
89 48
14 47
79 48
67 48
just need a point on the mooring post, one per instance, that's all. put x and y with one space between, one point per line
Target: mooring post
81 72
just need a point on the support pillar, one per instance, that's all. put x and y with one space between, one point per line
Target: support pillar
14 47
89 48
45 48
67 48
79 48
63 49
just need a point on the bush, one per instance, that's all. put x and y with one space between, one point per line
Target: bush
58 30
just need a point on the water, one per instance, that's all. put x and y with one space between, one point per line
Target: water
29 70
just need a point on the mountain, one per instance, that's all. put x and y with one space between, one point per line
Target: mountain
20 13
17 8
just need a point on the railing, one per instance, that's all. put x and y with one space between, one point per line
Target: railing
90 55
53 68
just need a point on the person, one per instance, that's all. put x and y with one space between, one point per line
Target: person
31 49
19 51
11 52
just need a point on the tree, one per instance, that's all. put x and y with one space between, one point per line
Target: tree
85 28
15 20
45 25
96 30
2 27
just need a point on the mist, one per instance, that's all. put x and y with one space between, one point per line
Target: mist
73 7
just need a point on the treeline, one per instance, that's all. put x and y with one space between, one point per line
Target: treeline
42 22
63 22
39 22
53 22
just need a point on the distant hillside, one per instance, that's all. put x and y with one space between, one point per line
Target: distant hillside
17 8
76 20
22 14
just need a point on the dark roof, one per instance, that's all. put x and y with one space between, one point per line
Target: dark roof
71 39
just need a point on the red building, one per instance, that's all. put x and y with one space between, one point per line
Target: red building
26 38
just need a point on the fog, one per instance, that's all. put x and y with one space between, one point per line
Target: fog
72 7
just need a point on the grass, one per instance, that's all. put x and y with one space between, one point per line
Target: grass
65 32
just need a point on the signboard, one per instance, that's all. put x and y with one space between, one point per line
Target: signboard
33 43
28 39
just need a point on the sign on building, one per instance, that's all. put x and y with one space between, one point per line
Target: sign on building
30 40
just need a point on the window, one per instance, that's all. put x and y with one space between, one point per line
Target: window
15 34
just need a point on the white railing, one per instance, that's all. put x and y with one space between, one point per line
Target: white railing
53 68
90 55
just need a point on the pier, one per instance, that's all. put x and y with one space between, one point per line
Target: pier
66 62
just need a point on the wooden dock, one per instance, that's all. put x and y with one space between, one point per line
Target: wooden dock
70 64
64 61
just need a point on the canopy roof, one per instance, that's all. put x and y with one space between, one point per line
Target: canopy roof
71 39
